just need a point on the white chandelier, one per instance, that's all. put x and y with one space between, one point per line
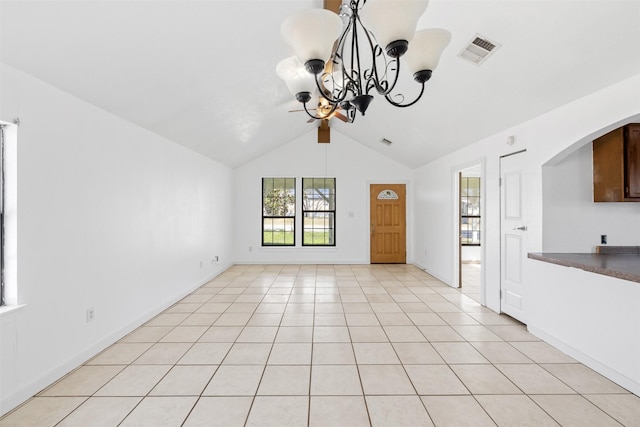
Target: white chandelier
344 63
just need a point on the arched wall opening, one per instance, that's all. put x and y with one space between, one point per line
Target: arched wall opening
572 221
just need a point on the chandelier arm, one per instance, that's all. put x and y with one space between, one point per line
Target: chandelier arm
329 95
355 47
381 84
395 79
339 47
398 104
349 82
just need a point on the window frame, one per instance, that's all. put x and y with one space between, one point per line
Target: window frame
469 218
331 212
283 217
2 206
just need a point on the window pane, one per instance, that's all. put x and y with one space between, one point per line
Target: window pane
471 186
278 231
318 194
471 205
278 196
278 211
470 210
319 228
318 211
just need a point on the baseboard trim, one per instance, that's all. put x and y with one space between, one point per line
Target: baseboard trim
25 393
271 262
615 376
426 270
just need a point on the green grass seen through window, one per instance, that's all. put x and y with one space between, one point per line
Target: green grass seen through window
278 237
317 238
286 238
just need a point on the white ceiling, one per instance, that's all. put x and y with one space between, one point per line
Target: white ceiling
202 73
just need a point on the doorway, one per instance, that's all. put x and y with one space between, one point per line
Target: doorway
469 231
388 221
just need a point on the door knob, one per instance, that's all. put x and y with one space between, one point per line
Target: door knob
521 228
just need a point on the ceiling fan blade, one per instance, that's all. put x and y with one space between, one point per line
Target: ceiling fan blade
301 110
341 117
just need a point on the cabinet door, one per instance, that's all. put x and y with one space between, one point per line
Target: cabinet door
632 161
608 174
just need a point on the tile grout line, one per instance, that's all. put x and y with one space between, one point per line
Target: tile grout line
336 285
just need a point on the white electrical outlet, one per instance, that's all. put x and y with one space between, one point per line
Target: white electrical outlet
216 259
91 314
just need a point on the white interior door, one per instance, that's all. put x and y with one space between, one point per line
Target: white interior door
513 230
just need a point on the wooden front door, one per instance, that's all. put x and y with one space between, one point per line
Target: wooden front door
388 223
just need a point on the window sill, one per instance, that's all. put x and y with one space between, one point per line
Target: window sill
298 248
6 310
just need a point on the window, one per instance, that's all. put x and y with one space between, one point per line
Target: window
470 211
8 226
278 211
319 211
2 215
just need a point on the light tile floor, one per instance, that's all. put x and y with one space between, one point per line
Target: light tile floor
471 280
359 345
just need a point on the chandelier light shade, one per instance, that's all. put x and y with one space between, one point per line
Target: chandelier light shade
300 82
311 34
393 21
426 49
351 61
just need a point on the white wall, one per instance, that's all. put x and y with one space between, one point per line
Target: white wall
435 201
471 253
547 139
352 164
561 131
591 317
572 222
110 216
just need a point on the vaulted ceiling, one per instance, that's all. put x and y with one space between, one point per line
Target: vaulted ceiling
202 73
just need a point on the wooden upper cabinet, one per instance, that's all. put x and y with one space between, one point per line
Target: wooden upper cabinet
616 165
632 160
608 171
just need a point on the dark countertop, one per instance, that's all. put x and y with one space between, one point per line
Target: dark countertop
621 266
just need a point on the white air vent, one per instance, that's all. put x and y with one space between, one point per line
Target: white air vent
386 141
479 49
